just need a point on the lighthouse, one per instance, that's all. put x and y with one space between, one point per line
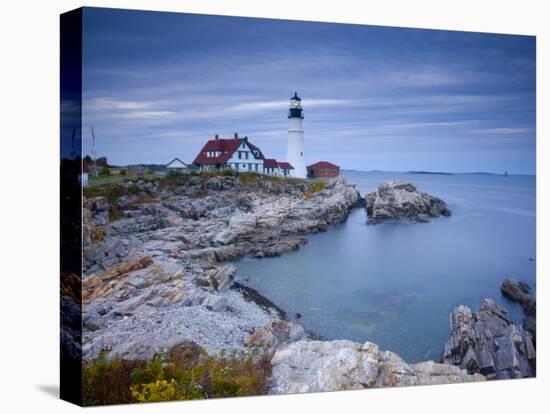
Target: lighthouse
295 146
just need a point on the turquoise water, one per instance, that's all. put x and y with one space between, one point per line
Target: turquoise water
395 284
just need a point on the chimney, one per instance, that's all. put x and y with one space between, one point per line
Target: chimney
236 136
216 137
246 138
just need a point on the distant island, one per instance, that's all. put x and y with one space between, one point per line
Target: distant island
430 172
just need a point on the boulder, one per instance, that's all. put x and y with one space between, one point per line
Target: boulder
317 366
275 334
217 279
488 342
400 199
214 303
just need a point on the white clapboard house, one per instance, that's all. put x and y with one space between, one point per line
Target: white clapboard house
178 165
238 154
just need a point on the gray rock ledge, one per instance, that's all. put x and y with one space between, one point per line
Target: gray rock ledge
399 199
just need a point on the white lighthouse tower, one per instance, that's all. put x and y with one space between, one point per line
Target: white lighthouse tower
295 146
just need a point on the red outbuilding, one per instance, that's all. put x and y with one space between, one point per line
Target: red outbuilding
323 169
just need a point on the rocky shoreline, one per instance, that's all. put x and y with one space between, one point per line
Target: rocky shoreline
157 273
156 257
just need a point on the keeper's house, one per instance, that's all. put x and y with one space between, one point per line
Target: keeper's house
238 154
323 169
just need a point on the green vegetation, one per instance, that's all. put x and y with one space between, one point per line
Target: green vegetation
248 178
115 213
186 372
173 179
105 171
314 188
112 191
104 179
114 186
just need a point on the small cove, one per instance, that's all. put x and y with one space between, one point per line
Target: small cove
396 283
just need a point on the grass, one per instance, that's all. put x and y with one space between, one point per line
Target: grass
186 372
314 188
112 187
248 178
105 179
112 191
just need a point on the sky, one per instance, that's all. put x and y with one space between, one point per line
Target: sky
158 85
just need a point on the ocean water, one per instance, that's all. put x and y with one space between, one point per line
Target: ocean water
395 284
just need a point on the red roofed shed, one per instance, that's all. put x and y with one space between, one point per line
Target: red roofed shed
323 169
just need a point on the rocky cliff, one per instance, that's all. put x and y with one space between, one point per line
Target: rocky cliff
488 342
157 274
401 200
155 253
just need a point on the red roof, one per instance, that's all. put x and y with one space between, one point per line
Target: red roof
322 165
227 146
285 166
270 163
254 147
85 167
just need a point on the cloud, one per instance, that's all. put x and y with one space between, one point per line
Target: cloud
374 92
309 103
504 131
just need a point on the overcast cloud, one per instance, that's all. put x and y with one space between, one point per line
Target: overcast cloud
158 85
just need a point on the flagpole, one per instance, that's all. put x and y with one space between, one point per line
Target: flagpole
93 152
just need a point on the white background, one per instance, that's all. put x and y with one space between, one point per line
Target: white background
29 138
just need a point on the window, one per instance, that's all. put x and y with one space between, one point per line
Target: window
256 167
249 167
240 153
246 155
301 154
244 165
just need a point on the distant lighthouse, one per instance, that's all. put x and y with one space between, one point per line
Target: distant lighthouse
295 146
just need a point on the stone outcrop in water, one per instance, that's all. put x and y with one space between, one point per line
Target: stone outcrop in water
488 342
314 366
400 199
153 275
521 292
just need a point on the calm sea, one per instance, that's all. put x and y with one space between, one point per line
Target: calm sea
395 284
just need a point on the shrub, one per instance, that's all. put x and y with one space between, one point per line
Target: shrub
107 381
186 372
173 179
314 188
97 235
248 178
111 191
115 213
105 170
123 172
160 390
